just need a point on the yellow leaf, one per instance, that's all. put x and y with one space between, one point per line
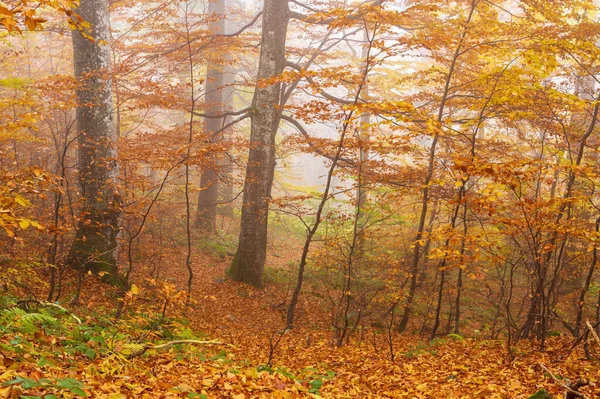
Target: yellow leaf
24 223
134 289
22 201
5 392
6 375
251 372
36 225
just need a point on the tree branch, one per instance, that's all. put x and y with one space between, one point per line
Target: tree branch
312 20
221 114
310 80
304 132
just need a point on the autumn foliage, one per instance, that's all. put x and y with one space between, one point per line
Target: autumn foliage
409 188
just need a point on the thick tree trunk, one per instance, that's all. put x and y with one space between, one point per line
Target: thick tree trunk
208 197
249 261
226 194
95 244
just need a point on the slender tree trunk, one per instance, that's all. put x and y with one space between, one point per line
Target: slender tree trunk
438 306
414 267
588 281
95 242
459 279
364 138
324 198
443 263
208 197
540 310
190 137
249 261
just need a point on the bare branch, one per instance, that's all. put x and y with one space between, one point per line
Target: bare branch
312 20
322 92
303 131
222 114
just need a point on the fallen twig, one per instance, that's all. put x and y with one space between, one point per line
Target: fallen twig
592 331
572 390
138 350
50 304
186 341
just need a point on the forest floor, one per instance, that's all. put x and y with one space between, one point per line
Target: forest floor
102 361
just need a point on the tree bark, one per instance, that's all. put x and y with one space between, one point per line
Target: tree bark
208 197
249 261
95 244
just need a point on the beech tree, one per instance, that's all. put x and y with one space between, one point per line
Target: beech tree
249 260
209 183
95 244
444 180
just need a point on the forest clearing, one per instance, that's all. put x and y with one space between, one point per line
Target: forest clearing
287 199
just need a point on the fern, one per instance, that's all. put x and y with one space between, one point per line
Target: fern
130 351
25 322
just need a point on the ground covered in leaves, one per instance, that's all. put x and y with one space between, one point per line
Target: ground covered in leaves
90 350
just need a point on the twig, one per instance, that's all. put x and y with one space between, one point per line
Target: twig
570 391
185 341
274 343
50 304
593 331
141 349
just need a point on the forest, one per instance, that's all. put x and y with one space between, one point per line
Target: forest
299 199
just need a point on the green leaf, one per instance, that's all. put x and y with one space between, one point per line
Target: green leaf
316 385
26 383
91 353
69 383
44 362
79 391
541 394
73 385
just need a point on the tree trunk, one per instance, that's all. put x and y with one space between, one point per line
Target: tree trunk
364 138
226 194
425 194
208 197
227 166
249 261
95 244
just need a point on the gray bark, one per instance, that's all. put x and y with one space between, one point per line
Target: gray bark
95 244
364 138
226 192
208 197
249 261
